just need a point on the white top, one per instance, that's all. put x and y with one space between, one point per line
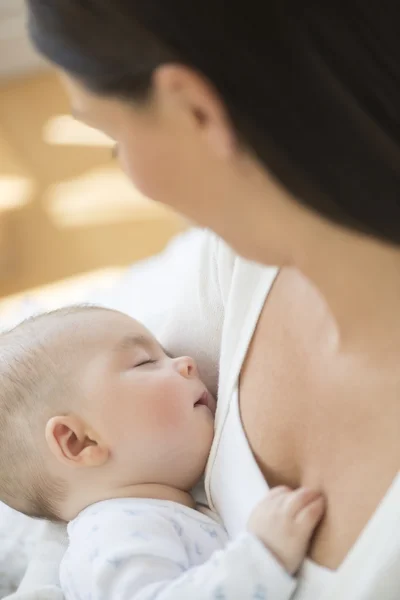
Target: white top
210 303
234 482
140 549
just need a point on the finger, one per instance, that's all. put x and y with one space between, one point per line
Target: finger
299 499
312 513
279 490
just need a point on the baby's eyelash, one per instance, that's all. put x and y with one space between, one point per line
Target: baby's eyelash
146 362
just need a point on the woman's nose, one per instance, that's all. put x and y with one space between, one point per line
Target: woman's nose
186 366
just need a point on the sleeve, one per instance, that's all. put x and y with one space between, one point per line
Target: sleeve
145 559
178 295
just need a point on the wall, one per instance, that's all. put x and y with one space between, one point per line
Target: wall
65 206
16 54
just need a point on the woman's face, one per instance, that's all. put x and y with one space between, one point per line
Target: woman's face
179 148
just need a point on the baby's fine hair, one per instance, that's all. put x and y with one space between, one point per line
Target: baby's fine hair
37 363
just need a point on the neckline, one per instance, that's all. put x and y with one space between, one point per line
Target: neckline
310 569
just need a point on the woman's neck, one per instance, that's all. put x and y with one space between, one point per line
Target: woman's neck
359 279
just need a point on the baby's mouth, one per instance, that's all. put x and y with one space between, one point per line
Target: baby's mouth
205 400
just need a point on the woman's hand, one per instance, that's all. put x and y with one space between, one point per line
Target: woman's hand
285 521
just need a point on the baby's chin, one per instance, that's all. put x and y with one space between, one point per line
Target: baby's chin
203 459
192 474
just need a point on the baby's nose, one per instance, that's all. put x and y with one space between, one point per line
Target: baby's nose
186 366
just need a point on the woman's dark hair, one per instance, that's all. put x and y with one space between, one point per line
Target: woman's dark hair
313 88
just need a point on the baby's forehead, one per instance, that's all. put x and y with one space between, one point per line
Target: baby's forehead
114 328
91 327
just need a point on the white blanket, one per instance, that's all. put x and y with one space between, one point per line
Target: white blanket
18 535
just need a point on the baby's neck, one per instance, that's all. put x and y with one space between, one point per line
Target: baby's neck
154 491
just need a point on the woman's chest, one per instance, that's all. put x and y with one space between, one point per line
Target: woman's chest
315 418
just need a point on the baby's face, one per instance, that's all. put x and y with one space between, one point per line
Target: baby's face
153 411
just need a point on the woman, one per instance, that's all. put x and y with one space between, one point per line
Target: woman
278 128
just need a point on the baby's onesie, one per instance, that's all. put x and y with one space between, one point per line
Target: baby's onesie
139 549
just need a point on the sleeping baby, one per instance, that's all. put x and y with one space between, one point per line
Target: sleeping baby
102 429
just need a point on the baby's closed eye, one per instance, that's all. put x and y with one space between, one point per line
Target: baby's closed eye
142 363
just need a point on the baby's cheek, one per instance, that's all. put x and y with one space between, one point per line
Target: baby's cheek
169 416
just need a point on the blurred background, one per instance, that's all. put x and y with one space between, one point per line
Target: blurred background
66 209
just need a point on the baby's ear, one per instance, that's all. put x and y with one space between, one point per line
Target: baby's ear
73 444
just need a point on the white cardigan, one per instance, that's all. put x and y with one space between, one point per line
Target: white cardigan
199 298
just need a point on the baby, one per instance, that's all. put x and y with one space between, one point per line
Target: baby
101 428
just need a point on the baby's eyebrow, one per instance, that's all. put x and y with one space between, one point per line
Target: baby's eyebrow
131 341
